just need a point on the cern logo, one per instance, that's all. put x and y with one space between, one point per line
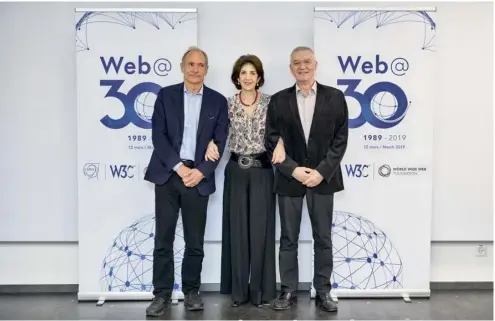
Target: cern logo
91 170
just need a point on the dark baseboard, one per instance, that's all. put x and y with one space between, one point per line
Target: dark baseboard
461 285
39 288
215 287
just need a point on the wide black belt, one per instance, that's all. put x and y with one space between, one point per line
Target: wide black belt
247 161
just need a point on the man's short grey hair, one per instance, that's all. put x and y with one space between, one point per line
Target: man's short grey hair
191 49
301 48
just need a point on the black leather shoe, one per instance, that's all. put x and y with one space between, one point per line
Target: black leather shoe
284 301
236 304
325 303
158 306
193 301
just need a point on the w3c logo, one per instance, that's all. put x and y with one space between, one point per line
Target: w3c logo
122 171
138 104
383 104
357 170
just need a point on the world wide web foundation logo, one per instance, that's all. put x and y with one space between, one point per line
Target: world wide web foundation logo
363 255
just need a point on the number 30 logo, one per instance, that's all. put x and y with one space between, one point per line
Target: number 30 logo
134 111
383 105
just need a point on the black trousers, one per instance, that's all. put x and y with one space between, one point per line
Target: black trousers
320 208
248 234
169 199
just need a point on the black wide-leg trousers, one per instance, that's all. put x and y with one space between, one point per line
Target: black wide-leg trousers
248 234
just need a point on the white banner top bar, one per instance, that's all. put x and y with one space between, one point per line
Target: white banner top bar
434 9
186 10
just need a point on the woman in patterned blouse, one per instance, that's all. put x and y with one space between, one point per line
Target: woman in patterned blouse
248 231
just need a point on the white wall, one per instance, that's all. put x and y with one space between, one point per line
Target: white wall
38 171
463 149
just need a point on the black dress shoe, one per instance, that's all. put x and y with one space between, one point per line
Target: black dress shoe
284 301
236 304
193 301
158 306
325 303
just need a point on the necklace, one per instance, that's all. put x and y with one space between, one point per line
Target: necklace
256 99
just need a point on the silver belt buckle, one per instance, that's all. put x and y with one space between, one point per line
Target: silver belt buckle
245 162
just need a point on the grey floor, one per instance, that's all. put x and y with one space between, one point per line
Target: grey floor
442 305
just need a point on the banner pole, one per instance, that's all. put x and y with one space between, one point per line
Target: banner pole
165 10
416 9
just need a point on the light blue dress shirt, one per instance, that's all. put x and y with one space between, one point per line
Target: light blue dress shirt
192 108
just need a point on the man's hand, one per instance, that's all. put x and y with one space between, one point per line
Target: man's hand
183 171
314 178
193 178
278 154
212 152
301 173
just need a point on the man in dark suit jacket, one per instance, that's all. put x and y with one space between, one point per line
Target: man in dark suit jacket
312 120
187 116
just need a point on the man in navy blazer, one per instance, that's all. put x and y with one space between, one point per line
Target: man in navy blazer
186 117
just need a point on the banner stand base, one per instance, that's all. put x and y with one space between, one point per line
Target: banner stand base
176 297
102 297
406 298
405 294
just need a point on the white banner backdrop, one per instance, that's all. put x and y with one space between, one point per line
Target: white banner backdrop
384 62
123 58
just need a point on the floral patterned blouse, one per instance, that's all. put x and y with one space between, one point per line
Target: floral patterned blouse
247 132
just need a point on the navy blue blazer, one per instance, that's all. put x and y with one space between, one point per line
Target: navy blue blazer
168 128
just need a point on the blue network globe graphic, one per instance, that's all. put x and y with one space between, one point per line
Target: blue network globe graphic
144 105
384 105
364 257
128 265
